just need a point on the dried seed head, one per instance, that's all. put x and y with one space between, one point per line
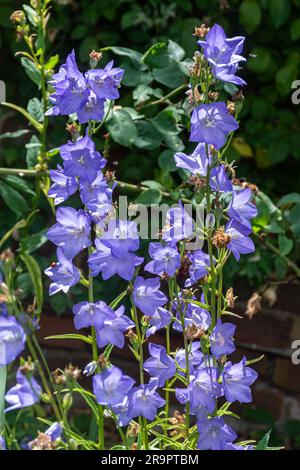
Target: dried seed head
213 95
245 184
72 371
133 429
94 58
42 442
192 332
253 305
18 17
7 255
230 298
184 267
134 446
102 361
220 238
198 182
58 377
201 31
231 107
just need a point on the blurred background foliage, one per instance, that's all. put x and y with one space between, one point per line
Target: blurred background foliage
267 147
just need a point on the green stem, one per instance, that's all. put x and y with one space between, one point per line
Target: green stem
210 249
163 99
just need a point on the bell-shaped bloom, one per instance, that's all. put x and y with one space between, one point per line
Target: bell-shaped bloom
111 386
223 54
105 82
159 320
166 259
54 431
219 180
147 296
88 314
62 274
236 379
121 237
193 315
240 243
221 339
63 186
145 401
81 158
113 329
178 226
196 163
103 261
12 340
71 232
240 207
91 190
195 357
214 434
70 88
210 123
91 110
160 365
199 267
121 412
25 393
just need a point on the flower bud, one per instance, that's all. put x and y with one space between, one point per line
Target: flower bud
94 58
18 16
210 221
67 401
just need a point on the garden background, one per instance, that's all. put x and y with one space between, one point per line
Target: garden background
267 150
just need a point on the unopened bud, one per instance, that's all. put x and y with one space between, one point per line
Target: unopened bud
94 58
18 16
67 401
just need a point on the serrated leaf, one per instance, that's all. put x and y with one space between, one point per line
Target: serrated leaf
33 148
35 241
149 197
36 276
19 184
35 109
31 14
14 135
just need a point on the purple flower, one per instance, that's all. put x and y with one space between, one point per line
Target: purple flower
237 379
70 88
63 186
219 180
90 314
159 320
71 232
91 110
239 242
113 329
223 54
25 393
121 237
179 224
221 340
166 259
62 274
105 82
12 340
160 365
193 315
90 368
54 431
199 267
102 260
111 385
91 191
195 357
81 158
196 163
147 296
210 123
121 412
240 207
144 401
2 443
214 434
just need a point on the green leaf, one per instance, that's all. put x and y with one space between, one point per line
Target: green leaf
259 60
33 148
14 135
164 122
250 15
293 198
166 161
31 71
132 75
36 276
147 136
7 235
152 184
294 219
34 242
175 51
31 15
157 55
13 199
285 244
35 109
295 30
171 76
287 74
279 11
86 339
134 56
52 62
149 197
122 128
19 184
263 443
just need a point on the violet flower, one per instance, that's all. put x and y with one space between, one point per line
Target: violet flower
145 401
240 207
62 274
160 365
105 82
113 329
63 186
159 320
221 339
12 340
111 385
239 242
214 434
199 267
25 393
166 259
147 296
237 379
